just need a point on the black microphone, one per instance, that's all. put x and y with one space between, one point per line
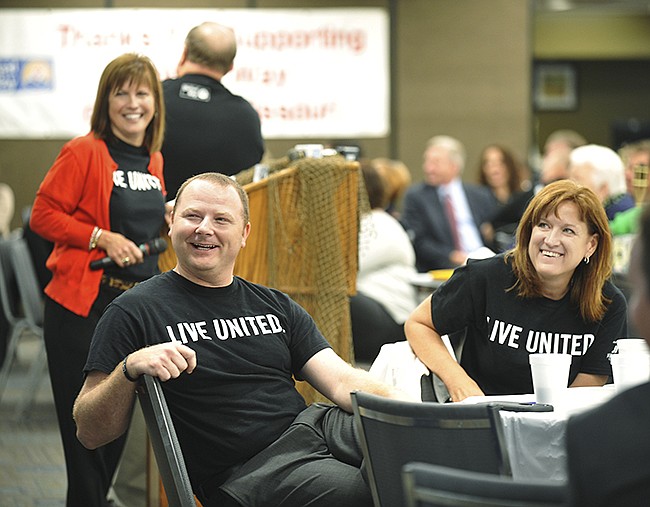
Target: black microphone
149 248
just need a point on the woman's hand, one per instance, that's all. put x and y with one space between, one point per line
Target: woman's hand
463 386
122 250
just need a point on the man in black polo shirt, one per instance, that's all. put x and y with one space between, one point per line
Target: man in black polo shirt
207 127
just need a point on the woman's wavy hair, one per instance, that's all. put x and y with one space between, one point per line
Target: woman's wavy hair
588 278
125 69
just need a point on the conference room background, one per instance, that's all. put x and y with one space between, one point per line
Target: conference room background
474 69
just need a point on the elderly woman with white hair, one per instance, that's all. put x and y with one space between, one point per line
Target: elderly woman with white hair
602 170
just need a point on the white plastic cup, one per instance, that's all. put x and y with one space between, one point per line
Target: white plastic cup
630 369
632 346
550 374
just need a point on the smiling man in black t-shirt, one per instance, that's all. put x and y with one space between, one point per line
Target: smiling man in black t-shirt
227 351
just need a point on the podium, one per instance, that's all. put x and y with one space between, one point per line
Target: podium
304 241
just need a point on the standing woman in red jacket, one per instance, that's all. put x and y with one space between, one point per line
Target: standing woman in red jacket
103 196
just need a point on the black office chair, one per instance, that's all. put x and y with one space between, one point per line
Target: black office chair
428 485
394 433
166 448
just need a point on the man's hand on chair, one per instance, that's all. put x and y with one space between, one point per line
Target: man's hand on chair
165 361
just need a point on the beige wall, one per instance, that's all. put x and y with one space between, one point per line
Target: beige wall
462 69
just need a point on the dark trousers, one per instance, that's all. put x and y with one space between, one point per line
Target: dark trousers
316 462
67 341
372 327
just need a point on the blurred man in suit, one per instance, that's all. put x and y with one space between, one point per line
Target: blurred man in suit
443 214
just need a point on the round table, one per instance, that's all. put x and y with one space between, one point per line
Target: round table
535 440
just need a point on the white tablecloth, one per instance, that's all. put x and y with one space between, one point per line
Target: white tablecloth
535 440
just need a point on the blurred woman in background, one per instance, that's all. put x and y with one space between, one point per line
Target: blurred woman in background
500 172
385 295
397 179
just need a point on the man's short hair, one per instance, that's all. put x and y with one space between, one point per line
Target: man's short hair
454 148
571 138
211 45
220 180
607 166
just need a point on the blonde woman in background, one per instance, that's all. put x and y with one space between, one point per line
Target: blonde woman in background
385 296
397 178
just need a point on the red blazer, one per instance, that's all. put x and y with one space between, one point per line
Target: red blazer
72 199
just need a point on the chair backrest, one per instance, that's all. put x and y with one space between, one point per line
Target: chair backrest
428 485
29 290
166 448
394 433
8 285
9 318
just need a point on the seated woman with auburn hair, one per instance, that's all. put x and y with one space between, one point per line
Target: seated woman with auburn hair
550 293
